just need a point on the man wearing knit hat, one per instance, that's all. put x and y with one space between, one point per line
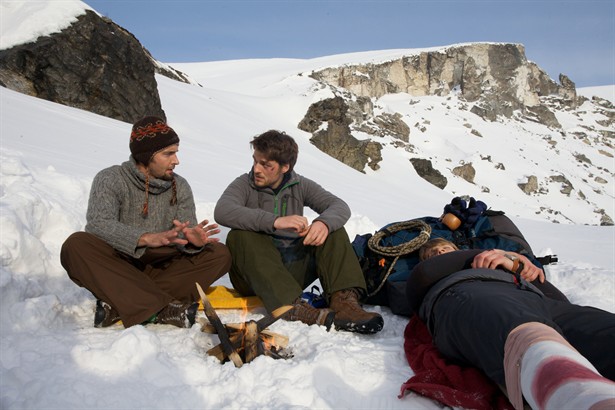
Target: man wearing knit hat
142 250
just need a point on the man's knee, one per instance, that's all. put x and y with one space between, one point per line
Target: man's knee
221 254
75 243
220 250
339 234
238 240
74 240
237 235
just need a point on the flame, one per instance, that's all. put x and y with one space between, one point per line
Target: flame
242 319
267 342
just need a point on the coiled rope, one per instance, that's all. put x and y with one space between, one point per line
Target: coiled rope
398 250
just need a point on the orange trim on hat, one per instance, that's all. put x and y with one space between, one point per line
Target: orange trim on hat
150 130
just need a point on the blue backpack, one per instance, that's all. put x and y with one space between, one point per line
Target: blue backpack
388 256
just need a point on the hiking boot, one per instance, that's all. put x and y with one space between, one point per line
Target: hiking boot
350 316
308 314
105 314
178 314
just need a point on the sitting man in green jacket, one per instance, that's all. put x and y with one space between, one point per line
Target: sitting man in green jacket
276 253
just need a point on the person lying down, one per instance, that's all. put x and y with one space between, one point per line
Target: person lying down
482 311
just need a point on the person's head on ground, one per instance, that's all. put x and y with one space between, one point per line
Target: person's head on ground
435 247
154 146
275 154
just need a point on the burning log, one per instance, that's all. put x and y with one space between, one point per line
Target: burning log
251 338
251 346
269 341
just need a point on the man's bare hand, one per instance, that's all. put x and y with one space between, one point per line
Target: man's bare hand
294 223
530 271
198 236
494 258
158 239
316 234
491 259
201 234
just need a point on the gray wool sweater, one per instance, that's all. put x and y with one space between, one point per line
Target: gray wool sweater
116 202
247 207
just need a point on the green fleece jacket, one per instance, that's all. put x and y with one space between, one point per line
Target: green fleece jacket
247 207
116 202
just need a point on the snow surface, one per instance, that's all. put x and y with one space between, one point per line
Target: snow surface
24 21
51 355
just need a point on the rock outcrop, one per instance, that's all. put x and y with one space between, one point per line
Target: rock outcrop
496 78
328 121
424 168
93 64
465 171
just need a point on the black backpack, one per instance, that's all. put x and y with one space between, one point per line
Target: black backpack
388 256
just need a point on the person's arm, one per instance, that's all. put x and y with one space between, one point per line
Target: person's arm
199 235
430 271
511 261
192 236
104 207
332 211
232 209
109 192
166 238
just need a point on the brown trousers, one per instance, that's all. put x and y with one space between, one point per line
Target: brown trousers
140 288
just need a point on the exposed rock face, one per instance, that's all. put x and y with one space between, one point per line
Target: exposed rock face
531 186
387 124
566 184
94 65
542 114
465 171
606 220
491 80
335 138
425 170
497 78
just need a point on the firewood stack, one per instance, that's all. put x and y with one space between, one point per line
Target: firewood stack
242 342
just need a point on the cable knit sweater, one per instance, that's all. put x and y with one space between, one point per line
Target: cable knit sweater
116 201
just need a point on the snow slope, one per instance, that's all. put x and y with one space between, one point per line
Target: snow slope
52 357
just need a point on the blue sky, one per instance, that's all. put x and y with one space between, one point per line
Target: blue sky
576 38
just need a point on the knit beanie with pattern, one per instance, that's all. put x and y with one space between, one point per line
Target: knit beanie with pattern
150 135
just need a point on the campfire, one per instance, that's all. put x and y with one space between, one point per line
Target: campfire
242 342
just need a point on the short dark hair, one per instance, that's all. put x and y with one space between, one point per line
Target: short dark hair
277 146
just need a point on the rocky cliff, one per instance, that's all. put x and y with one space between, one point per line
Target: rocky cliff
94 65
495 80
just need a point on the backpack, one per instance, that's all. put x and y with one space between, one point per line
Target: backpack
388 256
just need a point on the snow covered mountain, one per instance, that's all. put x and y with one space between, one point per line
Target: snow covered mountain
49 154
469 119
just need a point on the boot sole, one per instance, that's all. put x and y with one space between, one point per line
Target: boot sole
371 326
